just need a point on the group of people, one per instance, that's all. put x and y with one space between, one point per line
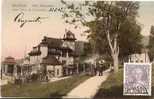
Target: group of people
98 70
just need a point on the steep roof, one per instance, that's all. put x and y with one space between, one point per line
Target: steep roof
52 42
50 60
9 60
33 53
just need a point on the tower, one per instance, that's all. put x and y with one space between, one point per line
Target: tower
69 40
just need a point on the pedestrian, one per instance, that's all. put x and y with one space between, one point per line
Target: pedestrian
100 70
95 71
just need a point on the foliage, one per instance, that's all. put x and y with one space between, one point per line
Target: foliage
34 77
87 49
130 38
151 44
112 27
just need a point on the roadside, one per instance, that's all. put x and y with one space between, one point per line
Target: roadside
112 88
89 88
55 88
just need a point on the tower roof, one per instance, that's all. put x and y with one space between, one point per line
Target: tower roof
33 53
69 36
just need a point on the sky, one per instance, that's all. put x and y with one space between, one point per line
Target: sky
18 41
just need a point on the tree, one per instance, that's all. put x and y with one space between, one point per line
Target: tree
130 39
151 44
105 21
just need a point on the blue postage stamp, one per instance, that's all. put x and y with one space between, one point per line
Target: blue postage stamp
137 79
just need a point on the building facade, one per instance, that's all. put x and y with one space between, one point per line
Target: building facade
9 68
54 56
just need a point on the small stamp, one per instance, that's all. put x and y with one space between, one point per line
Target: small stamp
137 79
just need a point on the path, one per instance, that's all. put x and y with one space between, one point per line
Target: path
89 88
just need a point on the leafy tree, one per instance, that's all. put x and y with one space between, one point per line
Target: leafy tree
108 23
87 49
130 39
151 44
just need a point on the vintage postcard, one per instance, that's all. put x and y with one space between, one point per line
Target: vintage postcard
137 79
77 49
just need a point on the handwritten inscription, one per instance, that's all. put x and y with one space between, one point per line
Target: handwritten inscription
20 18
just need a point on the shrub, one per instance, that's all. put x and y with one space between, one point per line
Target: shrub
34 77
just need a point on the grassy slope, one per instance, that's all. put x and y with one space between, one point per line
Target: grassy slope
113 87
54 89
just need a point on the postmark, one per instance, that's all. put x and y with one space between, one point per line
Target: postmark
137 79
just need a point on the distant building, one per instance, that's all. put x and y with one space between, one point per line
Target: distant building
9 68
142 57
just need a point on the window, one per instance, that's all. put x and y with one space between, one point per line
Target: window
3 68
63 54
57 71
52 50
18 69
63 62
10 69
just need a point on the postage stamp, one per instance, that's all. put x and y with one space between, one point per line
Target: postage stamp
137 79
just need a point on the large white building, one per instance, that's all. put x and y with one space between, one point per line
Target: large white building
54 56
